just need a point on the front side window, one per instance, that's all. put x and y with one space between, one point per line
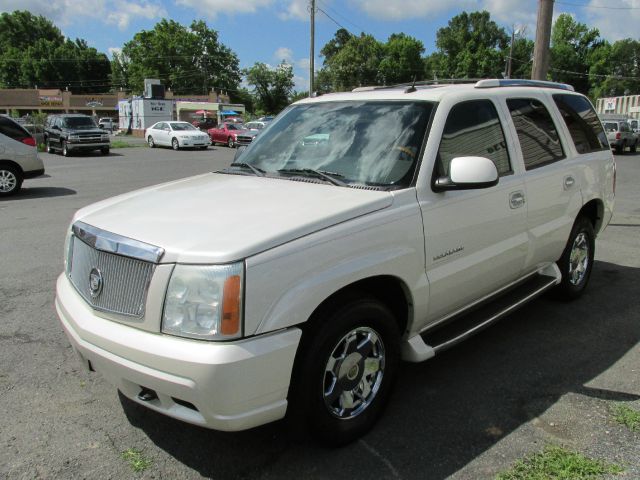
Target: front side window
582 122
473 130
537 133
374 143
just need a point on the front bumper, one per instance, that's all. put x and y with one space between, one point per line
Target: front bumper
88 146
224 386
190 142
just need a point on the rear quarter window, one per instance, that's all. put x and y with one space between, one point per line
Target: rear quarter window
582 122
11 129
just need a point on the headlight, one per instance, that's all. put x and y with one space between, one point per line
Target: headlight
204 302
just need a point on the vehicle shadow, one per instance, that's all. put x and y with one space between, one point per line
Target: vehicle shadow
448 411
40 192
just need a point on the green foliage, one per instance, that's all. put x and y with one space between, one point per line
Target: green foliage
295 96
402 60
33 52
272 86
470 46
627 416
621 62
244 97
573 46
557 463
136 460
188 60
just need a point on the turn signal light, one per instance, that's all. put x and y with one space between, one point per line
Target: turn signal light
230 323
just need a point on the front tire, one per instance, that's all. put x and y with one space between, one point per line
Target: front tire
150 142
576 261
347 364
175 144
104 151
230 142
634 147
65 149
48 146
10 181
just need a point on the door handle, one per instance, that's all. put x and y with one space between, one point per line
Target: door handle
516 199
569 182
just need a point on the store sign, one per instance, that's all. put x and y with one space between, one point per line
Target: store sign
610 103
159 107
50 101
93 103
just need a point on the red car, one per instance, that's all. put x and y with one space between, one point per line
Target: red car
226 133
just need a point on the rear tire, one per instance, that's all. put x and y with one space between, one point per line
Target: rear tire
576 261
345 370
10 180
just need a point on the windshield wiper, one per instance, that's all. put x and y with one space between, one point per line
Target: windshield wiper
330 177
258 171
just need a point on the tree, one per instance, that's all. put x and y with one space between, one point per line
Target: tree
573 47
402 60
33 52
189 60
522 60
470 46
272 86
620 63
355 64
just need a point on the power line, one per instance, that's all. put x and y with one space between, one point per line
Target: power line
341 16
335 21
604 7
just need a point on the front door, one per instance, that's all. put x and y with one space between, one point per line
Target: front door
475 240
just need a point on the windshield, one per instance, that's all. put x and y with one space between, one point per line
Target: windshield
235 126
366 142
79 122
182 126
611 127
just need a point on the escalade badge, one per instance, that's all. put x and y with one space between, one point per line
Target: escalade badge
95 282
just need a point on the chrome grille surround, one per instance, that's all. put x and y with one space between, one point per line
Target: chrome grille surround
125 267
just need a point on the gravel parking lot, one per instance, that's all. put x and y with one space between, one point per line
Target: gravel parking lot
549 374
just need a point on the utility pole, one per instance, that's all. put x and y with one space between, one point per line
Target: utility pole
513 39
543 37
311 53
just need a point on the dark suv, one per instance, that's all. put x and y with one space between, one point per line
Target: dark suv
70 133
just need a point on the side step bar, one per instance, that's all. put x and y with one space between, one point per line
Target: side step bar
460 327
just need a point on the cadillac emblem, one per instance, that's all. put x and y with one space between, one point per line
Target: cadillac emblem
95 282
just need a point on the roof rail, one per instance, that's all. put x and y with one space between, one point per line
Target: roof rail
496 82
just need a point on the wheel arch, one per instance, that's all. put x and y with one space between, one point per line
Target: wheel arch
594 211
389 290
11 163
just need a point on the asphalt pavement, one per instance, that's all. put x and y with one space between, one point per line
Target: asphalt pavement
548 374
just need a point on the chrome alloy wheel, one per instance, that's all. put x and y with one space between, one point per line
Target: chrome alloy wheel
353 373
579 259
8 181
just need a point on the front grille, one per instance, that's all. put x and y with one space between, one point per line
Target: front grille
124 280
89 138
244 139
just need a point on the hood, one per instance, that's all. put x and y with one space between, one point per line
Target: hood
219 218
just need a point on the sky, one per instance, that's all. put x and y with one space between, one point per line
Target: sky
271 31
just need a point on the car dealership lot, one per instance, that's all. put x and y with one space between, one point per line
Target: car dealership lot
547 374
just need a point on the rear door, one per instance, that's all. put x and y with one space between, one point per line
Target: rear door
475 240
552 179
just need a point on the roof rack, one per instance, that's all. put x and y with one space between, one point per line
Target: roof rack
423 84
496 82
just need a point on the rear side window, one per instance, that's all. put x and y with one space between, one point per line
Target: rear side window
473 130
536 131
12 130
582 122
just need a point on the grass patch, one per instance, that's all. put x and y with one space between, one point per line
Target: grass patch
136 460
557 463
123 144
627 416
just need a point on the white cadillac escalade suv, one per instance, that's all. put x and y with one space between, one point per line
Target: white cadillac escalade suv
358 229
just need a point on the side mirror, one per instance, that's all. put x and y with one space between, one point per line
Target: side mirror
239 152
468 173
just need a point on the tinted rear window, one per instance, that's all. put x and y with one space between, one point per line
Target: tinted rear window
12 130
582 122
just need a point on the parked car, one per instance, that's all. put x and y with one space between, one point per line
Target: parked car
227 133
19 158
205 123
176 135
359 229
107 123
69 133
252 129
620 135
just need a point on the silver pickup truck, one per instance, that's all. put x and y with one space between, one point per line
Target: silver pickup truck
620 135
